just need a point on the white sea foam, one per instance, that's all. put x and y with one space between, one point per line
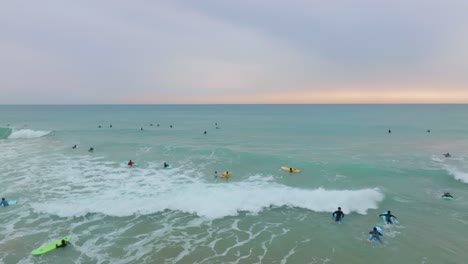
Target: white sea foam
28 133
124 192
457 173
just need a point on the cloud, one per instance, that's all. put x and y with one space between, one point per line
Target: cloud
242 51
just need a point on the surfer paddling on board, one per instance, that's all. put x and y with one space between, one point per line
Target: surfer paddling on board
63 244
166 165
447 194
338 215
388 217
375 234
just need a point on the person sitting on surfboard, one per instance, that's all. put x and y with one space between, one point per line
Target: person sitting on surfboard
338 214
447 194
4 202
130 163
388 217
166 165
375 234
64 244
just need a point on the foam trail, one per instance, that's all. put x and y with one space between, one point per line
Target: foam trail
28 133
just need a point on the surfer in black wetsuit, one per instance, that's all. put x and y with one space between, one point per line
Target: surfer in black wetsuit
204 132
447 194
74 147
447 155
389 131
388 217
166 165
91 149
338 214
64 244
375 234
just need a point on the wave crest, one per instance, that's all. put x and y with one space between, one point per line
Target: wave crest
28 133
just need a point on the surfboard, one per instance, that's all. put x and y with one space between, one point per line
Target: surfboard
289 169
384 218
339 221
49 247
169 167
225 175
371 237
447 198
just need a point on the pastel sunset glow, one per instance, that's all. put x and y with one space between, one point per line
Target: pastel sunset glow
233 52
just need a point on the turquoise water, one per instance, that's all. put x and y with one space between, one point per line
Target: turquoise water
146 214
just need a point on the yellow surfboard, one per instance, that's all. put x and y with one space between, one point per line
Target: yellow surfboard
290 169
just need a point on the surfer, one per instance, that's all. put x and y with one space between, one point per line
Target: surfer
204 132
99 126
63 244
338 215
170 126
428 131
389 131
130 163
110 126
91 149
141 129
216 174
166 165
290 169
447 155
4 202
225 175
74 147
447 194
375 234
388 217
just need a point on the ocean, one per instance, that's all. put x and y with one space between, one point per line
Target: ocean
261 214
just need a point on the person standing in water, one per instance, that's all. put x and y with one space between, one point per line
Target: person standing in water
130 163
4 202
338 215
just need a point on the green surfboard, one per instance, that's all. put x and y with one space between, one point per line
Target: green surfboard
49 247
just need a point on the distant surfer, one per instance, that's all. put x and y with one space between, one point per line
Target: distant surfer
63 244
389 131
91 149
74 147
4 202
447 155
170 126
338 215
216 174
447 194
204 132
130 163
226 175
110 126
99 126
428 131
141 129
166 165
375 234
388 217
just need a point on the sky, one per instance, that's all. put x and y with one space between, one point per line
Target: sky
230 52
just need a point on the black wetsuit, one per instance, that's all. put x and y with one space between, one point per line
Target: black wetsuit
338 215
61 245
375 234
388 218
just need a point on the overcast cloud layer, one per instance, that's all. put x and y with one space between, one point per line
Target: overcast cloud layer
355 51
